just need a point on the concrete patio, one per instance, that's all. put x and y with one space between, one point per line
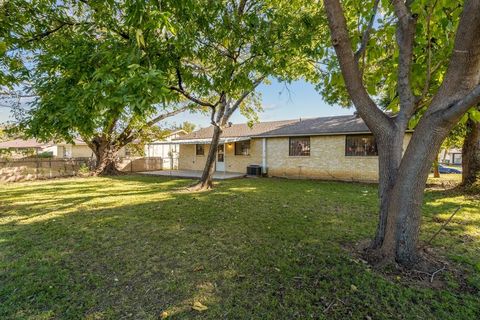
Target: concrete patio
195 174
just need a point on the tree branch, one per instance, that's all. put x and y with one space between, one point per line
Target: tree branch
166 115
245 94
366 33
128 135
460 107
463 73
241 7
46 33
375 119
187 95
429 71
405 35
192 98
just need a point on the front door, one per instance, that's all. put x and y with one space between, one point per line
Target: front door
220 158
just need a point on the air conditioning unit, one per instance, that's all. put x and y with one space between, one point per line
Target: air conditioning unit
254 170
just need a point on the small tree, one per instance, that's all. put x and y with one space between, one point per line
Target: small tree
421 31
225 49
186 126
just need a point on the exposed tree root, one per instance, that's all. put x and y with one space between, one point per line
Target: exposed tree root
200 187
107 170
431 269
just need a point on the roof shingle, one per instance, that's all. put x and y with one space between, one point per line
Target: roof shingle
33 143
311 126
322 126
239 130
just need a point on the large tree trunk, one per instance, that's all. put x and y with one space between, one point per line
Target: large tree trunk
404 200
471 154
106 153
206 182
390 149
402 191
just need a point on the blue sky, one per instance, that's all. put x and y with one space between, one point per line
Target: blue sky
280 101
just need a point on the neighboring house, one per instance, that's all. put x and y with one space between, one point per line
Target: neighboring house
451 156
168 152
20 148
159 149
336 148
67 150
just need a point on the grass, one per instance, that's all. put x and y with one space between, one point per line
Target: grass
139 248
446 179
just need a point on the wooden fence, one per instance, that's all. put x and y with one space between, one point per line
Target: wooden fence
46 168
141 164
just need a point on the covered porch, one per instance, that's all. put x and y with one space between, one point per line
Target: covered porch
233 156
194 174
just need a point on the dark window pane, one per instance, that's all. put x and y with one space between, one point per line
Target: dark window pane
200 149
360 146
242 148
299 146
220 153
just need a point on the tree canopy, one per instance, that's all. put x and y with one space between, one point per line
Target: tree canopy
87 67
92 62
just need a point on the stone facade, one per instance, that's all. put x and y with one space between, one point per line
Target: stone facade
327 159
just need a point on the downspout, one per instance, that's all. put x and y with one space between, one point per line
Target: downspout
264 155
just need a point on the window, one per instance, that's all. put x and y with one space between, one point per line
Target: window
456 158
242 148
360 145
299 146
200 149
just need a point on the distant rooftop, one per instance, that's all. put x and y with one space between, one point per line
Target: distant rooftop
33 143
20 143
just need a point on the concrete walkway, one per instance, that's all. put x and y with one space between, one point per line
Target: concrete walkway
194 174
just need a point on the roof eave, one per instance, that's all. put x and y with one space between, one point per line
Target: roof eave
316 134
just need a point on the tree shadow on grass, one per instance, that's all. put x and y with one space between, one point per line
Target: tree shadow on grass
440 205
459 239
248 249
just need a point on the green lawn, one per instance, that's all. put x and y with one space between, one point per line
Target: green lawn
141 248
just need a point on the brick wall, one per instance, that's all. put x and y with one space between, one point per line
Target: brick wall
327 160
239 163
233 163
187 160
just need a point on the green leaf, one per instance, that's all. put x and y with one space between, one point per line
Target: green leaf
139 38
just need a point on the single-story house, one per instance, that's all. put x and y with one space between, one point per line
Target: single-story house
451 156
335 148
20 148
67 150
